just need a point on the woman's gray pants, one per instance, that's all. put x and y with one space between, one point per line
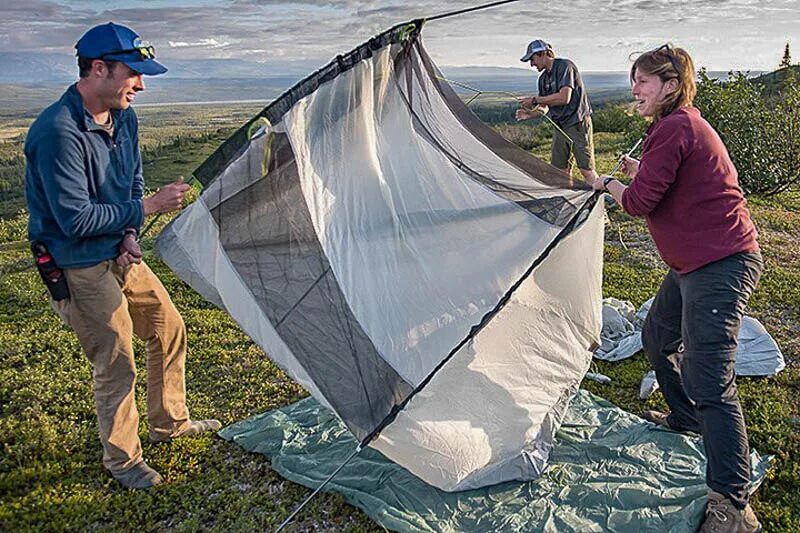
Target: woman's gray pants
690 336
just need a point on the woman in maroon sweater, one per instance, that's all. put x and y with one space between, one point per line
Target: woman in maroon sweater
687 189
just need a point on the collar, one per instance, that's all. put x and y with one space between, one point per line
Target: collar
75 102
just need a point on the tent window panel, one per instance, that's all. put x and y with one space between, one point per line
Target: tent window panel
338 355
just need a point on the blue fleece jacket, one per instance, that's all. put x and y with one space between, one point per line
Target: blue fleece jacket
84 188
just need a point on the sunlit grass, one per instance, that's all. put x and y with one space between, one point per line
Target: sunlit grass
50 472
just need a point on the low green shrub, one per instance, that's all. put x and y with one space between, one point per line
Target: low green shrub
762 134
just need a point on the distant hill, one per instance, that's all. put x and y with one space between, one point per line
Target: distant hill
186 83
30 81
29 68
17 100
778 77
775 82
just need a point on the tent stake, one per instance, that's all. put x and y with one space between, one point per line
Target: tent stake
318 489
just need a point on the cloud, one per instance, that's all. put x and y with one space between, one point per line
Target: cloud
202 43
599 35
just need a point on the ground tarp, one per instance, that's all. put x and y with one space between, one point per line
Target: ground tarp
609 471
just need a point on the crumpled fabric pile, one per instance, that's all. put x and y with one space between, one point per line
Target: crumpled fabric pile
758 353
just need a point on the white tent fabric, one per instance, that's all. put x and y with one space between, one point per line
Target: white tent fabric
433 285
620 337
757 354
423 215
495 408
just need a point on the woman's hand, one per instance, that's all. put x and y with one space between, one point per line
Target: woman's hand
630 166
597 184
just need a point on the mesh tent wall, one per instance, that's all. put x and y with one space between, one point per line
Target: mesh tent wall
435 286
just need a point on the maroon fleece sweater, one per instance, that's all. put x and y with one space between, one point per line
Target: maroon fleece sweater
688 190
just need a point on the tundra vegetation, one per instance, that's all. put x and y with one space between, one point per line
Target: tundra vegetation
50 472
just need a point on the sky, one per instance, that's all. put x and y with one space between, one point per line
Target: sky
597 35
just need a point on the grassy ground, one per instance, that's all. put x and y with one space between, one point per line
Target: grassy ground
50 472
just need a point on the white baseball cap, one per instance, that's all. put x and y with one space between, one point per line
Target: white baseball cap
534 47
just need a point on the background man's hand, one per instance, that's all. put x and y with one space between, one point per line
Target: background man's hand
525 114
129 251
167 198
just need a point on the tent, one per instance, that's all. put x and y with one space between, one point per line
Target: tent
433 285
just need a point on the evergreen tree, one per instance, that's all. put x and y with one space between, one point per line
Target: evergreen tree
786 61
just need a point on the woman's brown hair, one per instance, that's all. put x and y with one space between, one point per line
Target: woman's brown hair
669 63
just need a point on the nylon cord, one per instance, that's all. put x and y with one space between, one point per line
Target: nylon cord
479 92
613 171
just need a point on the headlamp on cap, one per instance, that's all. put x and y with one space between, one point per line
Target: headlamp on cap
114 42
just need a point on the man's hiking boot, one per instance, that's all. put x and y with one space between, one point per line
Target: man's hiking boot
195 427
723 517
139 476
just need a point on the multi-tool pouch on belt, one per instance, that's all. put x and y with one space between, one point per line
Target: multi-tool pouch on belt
53 277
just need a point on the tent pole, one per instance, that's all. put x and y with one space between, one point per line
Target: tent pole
627 154
470 9
318 489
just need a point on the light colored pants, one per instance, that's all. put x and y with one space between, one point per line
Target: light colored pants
582 145
107 305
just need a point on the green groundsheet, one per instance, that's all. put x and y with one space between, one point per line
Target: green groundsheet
609 471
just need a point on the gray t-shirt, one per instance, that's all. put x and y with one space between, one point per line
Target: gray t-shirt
565 74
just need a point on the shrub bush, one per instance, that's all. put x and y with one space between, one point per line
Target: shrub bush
762 136
618 118
495 113
528 135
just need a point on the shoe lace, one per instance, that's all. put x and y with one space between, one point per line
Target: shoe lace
716 508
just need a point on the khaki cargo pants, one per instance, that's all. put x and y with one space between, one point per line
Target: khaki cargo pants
582 145
107 305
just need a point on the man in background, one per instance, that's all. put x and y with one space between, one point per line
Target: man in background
564 99
85 195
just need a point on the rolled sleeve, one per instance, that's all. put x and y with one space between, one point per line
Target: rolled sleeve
657 171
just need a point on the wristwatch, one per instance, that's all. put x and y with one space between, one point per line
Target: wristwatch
607 180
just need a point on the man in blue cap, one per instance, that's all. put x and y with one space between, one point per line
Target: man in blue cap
564 98
85 195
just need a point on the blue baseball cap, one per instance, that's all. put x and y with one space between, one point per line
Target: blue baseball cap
535 47
114 42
